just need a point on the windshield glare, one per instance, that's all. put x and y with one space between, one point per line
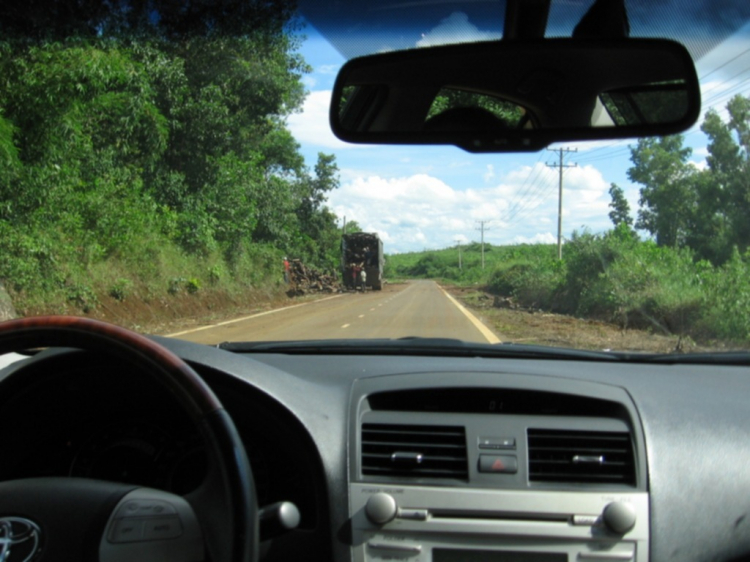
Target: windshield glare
171 169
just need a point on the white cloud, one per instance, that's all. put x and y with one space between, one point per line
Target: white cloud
456 28
542 238
489 174
701 151
588 146
311 126
328 69
421 210
309 82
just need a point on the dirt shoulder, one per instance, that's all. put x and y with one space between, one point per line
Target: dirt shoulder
166 314
163 314
537 327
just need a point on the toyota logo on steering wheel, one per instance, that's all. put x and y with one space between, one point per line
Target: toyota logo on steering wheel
20 539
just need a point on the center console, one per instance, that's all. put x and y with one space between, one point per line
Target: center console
501 468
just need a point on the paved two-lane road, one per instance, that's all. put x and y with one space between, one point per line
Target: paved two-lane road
420 308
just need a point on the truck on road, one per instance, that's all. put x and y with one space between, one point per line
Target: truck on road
362 251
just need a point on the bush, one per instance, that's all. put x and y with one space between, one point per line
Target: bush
614 277
534 284
82 296
726 298
120 290
175 285
192 285
215 274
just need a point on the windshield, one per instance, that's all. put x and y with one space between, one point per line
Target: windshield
170 167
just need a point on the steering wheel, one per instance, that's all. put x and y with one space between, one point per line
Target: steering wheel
79 519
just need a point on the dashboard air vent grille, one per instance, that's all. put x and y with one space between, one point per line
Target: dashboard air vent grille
424 451
580 457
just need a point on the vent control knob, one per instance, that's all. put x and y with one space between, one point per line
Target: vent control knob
619 517
381 508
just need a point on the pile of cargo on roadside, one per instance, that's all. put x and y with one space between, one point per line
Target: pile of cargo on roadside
305 280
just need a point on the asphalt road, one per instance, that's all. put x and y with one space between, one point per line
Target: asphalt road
419 308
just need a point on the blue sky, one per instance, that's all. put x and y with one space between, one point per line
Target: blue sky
429 197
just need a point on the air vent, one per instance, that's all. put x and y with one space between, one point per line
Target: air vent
424 451
580 457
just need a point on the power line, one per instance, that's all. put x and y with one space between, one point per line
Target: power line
520 195
734 58
724 82
614 154
525 198
561 167
726 94
540 194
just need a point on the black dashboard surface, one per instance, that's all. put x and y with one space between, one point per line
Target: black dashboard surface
294 414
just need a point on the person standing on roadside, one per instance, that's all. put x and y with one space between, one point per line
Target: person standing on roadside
363 279
286 271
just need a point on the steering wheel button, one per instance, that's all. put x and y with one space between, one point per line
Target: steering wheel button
126 530
161 528
145 509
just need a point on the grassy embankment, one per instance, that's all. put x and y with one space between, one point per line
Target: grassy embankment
150 284
613 278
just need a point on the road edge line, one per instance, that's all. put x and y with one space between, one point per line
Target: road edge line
267 312
486 332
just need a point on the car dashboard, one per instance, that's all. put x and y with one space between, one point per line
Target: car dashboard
423 458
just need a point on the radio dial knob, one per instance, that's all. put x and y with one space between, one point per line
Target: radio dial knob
619 517
381 508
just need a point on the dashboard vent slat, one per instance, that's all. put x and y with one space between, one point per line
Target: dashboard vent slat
587 457
420 451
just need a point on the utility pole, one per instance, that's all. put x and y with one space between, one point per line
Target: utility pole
482 228
460 266
344 227
560 166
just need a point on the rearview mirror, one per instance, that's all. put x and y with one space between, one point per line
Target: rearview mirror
508 96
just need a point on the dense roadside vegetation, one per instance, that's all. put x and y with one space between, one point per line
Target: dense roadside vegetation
144 151
613 277
690 278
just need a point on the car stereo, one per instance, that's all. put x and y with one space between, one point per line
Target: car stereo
435 524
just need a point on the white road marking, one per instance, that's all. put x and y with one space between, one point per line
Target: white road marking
346 325
361 316
372 309
486 332
248 317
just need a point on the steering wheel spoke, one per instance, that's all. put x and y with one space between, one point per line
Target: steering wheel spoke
149 524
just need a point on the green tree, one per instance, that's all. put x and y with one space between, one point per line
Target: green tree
620 213
317 224
352 227
667 196
728 189
133 129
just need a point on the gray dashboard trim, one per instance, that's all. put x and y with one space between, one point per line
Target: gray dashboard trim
695 421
